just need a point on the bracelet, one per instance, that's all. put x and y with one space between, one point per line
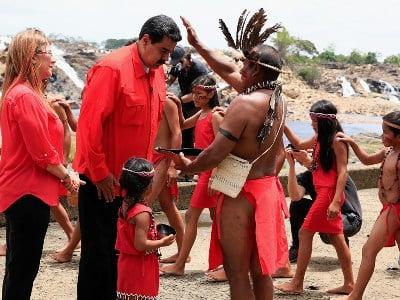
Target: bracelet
65 178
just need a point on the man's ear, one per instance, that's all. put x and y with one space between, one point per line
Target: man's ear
257 70
146 39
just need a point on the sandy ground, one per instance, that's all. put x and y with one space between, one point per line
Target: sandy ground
58 281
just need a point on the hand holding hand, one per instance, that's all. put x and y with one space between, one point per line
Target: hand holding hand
105 188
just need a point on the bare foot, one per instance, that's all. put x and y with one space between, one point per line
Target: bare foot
285 272
171 270
172 259
217 275
61 257
342 290
290 288
3 250
78 246
340 298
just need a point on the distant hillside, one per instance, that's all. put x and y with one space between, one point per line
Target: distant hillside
81 56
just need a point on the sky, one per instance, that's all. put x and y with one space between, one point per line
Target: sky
346 25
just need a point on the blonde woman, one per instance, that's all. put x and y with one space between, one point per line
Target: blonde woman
32 159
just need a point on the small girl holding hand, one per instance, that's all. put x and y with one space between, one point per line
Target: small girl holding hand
137 238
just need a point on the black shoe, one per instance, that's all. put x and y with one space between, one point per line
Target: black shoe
293 252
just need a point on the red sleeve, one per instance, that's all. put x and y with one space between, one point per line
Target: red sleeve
98 103
32 118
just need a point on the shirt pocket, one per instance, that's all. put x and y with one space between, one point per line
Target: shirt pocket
162 98
133 112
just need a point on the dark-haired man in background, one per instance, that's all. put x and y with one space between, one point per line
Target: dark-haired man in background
186 69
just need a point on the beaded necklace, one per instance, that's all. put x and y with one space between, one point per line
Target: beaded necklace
396 180
268 85
314 157
275 86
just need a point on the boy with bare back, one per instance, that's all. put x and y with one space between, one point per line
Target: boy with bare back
165 187
386 228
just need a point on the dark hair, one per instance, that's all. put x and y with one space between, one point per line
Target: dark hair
393 117
208 80
327 129
268 55
159 26
132 183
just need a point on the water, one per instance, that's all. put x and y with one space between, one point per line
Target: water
390 92
348 90
364 85
304 130
63 65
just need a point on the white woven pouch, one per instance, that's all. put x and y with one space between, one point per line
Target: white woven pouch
231 175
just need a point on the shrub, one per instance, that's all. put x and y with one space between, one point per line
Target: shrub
309 74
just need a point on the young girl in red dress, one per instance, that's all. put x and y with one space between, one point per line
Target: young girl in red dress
206 124
137 238
387 226
329 170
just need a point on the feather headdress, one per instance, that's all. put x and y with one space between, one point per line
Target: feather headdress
248 34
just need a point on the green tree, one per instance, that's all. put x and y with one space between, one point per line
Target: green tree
283 41
355 58
328 55
310 74
392 59
371 58
292 49
115 43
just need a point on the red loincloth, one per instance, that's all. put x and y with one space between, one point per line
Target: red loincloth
267 197
396 206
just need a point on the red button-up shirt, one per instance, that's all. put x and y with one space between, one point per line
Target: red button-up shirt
32 139
120 114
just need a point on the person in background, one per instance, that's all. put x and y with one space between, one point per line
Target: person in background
137 237
301 185
122 105
186 69
32 159
165 186
63 109
206 125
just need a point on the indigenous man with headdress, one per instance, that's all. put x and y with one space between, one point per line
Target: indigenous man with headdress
251 227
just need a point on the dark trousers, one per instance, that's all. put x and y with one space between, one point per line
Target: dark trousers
188 138
97 277
26 226
298 211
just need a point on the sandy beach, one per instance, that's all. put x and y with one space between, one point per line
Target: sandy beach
58 280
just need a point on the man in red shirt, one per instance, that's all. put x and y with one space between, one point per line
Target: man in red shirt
121 109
